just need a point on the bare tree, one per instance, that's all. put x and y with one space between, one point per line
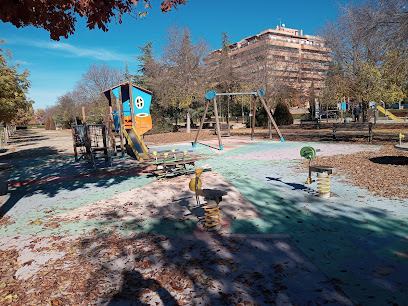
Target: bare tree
88 90
68 108
362 41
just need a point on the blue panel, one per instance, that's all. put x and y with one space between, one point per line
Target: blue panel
140 108
116 92
143 108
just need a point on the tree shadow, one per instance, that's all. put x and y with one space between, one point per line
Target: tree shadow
295 186
30 153
262 266
133 285
51 174
292 256
390 160
25 139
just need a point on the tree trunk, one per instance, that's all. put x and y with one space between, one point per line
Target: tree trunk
188 119
5 134
327 112
364 107
228 116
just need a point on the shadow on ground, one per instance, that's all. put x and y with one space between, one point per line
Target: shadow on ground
51 175
29 153
355 256
390 160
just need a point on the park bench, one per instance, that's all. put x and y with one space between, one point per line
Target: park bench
364 129
315 124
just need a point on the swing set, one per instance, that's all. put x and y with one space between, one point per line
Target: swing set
258 94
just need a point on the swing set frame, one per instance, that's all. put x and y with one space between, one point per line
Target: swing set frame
212 96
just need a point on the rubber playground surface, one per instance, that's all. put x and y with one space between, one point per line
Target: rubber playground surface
120 236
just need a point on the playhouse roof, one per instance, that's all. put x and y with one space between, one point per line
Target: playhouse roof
127 84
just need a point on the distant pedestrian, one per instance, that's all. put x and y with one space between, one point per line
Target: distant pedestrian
356 113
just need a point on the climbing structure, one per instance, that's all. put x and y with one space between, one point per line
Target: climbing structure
133 117
131 120
89 139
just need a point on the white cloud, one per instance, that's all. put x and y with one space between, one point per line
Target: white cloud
22 63
71 50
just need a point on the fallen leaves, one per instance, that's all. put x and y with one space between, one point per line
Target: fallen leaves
5 220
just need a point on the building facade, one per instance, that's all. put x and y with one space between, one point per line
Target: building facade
280 56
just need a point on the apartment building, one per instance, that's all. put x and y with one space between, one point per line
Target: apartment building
284 54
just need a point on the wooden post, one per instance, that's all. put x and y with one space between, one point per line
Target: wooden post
121 122
217 121
83 115
105 143
111 126
327 112
132 105
268 112
5 134
87 143
202 122
270 128
75 147
253 119
110 110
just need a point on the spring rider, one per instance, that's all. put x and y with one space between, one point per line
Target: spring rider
401 137
212 197
323 172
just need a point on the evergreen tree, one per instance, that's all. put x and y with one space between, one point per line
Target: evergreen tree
282 115
145 71
181 78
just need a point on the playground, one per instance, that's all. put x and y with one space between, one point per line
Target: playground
72 235
87 218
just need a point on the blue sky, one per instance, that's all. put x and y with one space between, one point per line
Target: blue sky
55 67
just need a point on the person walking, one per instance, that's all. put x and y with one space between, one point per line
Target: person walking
356 113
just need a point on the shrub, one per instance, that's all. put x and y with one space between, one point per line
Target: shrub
160 124
282 114
49 124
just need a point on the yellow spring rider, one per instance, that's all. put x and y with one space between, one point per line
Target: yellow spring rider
213 197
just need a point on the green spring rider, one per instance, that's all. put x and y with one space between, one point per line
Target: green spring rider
323 172
308 153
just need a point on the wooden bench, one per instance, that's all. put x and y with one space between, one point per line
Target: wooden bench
364 129
310 124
